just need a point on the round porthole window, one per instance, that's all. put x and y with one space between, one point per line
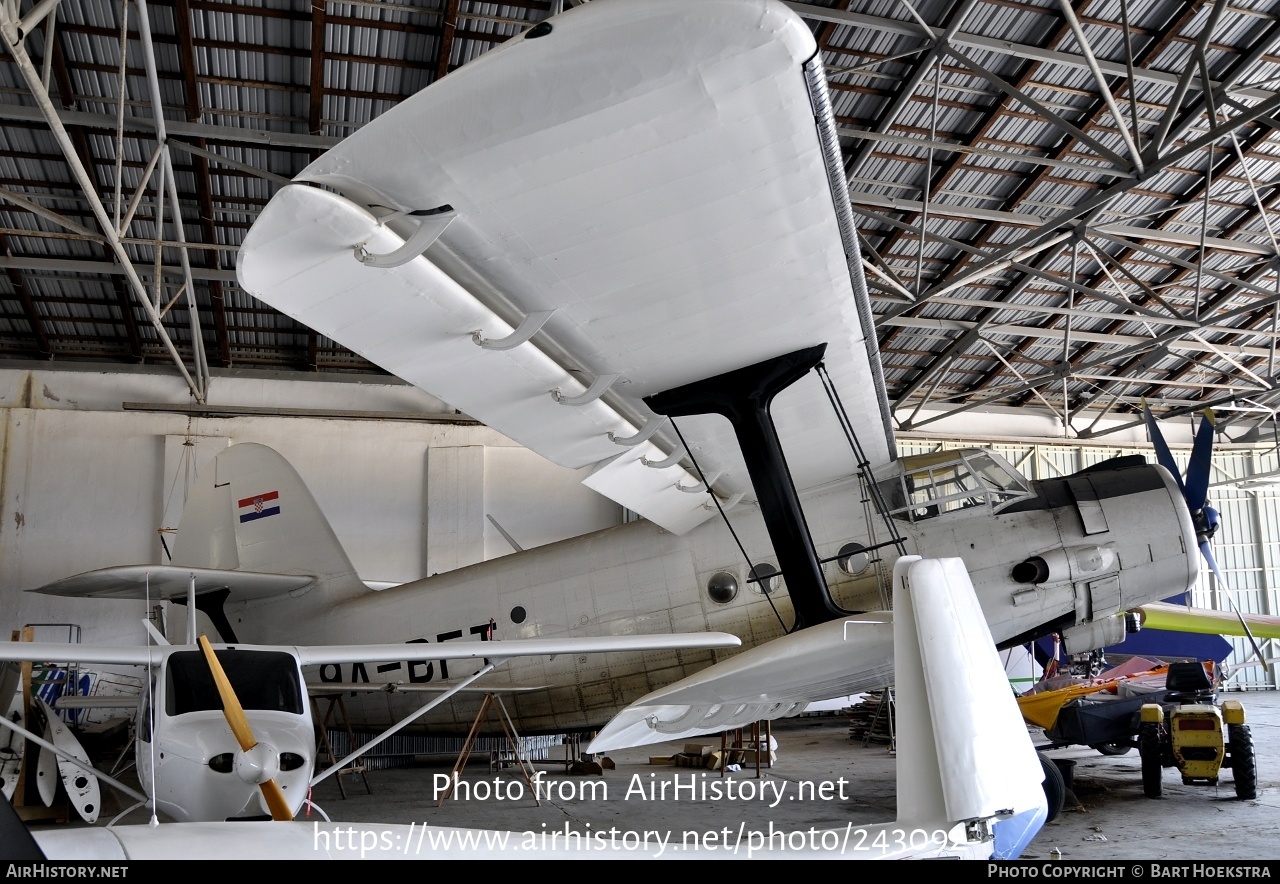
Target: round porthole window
517 614
853 558
722 587
765 578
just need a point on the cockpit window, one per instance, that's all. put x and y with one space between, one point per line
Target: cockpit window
929 485
263 680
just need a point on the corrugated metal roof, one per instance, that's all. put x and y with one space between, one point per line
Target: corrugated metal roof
1023 152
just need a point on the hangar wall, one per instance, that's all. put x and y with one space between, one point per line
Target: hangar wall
85 484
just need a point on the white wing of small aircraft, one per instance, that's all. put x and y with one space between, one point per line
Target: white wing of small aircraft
968 777
226 732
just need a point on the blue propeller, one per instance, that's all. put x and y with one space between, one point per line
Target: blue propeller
1195 487
1195 491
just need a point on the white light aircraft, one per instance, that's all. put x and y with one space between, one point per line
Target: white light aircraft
227 732
967 774
624 240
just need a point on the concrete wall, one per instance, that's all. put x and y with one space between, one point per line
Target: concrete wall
85 484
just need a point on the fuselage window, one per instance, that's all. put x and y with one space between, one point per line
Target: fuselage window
930 485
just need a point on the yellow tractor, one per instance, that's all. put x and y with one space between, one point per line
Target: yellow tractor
1195 734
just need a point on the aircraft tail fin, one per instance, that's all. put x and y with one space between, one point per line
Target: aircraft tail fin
251 511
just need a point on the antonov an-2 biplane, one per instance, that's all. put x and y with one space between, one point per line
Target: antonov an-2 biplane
624 240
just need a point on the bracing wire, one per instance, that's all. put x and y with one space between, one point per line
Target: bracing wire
864 466
724 516
151 725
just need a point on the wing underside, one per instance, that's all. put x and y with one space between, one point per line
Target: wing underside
1178 618
646 204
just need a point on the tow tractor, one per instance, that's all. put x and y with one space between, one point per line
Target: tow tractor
1187 732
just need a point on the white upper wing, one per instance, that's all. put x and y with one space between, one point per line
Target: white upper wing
649 170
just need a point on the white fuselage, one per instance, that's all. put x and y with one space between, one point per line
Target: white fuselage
637 578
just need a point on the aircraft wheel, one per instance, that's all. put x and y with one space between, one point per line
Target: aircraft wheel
1149 749
1112 748
1244 766
1055 790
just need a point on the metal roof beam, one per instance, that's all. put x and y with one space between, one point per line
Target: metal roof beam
73 265
907 87
1066 370
1008 47
230 134
29 311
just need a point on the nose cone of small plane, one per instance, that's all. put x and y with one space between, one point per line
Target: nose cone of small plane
258 764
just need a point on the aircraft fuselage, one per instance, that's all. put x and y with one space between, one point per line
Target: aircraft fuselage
1103 541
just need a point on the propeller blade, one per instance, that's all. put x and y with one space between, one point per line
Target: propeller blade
231 707
239 724
276 802
1197 485
1207 552
1164 456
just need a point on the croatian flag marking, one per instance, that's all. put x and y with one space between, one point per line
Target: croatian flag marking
259 506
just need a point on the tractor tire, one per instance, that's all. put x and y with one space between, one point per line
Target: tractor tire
1244 766
1111 748
1055 788
1150 750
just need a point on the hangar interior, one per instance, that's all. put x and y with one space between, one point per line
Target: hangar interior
967 128
1066 209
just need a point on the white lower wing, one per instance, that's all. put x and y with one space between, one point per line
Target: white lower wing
312 655
772 680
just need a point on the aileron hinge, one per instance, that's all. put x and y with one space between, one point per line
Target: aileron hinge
429 229
528 327
589 395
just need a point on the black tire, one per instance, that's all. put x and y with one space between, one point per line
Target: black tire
1244 766
1112 748
1149 749
1055 790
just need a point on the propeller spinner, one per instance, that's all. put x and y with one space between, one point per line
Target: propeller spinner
256 763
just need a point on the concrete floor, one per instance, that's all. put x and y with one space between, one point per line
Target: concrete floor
1106 815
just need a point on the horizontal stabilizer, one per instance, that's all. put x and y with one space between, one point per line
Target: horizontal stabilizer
170 582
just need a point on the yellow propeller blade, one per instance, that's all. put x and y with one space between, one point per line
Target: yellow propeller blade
230 702
276 802
239 723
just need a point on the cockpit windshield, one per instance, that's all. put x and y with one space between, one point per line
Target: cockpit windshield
262 680
928 485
